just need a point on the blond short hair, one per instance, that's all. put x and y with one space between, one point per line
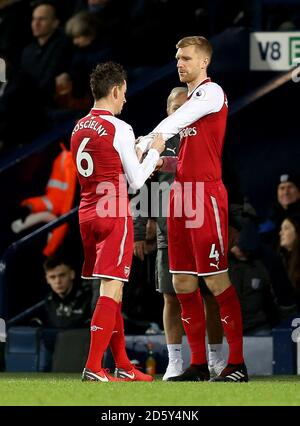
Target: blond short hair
82 24
199 41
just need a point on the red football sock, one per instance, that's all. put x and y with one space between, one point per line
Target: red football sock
193 320
231 317
118 343
102 325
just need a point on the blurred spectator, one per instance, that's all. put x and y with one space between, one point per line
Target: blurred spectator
42 64
288 193
290 250
68 305
111 14
252 282
85 30
152 25
57 200
49 55
145 23
288 202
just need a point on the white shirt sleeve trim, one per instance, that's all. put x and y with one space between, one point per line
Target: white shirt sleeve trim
207 99
124 143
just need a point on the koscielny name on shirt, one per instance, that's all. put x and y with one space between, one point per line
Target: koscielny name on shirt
90 124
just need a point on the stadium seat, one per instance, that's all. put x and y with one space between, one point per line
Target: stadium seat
284 355
22 349
71 350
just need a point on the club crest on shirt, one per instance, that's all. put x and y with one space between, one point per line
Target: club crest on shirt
126 270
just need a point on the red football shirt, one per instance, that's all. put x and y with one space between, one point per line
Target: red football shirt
103 149
201 123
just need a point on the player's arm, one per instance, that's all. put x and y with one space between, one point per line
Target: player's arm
208 99
136 173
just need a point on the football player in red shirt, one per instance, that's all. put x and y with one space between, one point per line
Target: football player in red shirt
103 149
198 222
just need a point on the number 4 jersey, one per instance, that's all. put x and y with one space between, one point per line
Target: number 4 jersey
198 222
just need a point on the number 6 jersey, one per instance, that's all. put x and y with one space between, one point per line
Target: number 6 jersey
103 149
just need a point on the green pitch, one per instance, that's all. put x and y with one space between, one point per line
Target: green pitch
67 389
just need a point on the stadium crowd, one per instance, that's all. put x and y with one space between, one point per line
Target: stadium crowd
50 48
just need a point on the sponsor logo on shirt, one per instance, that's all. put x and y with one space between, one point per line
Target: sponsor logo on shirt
188 131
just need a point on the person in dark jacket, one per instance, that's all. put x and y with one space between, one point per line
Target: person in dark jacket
290 253
48 57
39 78
85 30
287 203
68 305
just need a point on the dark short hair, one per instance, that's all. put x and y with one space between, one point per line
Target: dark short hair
56 260
104 77
50 3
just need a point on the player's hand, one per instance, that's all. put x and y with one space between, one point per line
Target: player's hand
63 84
138 140
138 149
139 153
159 164
158 143
139 249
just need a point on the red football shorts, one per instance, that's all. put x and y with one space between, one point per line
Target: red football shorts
198 228
108 247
